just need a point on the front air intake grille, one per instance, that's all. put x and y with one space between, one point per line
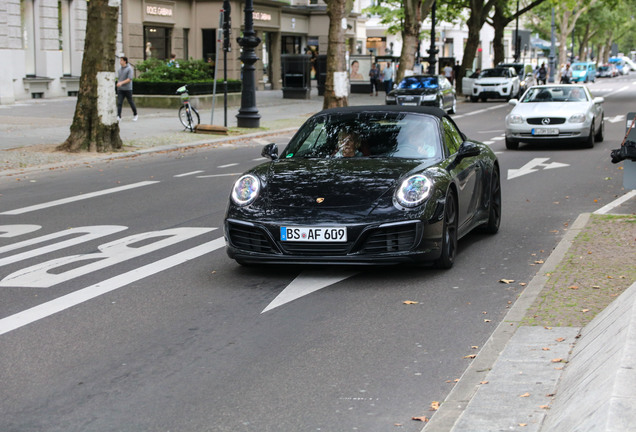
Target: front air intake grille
399 238
315 249
552 121
248 238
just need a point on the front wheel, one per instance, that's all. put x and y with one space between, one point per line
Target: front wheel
449 233
599 134
511 145
494 211
189 117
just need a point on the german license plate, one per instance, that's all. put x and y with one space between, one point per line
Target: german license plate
313 234
545 131
409 103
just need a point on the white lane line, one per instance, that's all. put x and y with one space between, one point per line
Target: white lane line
189 173
617 91
227 165
259 159
218 175
489 142
52 307
609 207
77 198
480 111
497 138
306 283
616 119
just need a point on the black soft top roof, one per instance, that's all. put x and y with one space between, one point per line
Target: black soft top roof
433 111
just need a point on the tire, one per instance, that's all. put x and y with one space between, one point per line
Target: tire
453 109
449 233
494 208
189 117
511 145
589 142
599 134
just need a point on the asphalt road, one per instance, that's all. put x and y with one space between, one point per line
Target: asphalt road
140 322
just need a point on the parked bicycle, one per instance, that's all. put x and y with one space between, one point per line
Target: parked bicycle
188 115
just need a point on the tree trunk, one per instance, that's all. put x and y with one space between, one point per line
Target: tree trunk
499 23
336 83
411 35
95 126
478 13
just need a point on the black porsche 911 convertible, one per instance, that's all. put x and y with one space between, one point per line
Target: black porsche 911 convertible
365 185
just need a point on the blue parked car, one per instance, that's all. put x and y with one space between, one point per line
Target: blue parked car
583 72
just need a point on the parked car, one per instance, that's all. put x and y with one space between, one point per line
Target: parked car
497 83
583 72
555 113
432 90
607 70
468 82
365 184
620 65
525 73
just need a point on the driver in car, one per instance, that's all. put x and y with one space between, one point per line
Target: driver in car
348 145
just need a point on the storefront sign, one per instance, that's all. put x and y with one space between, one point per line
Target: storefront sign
163 11
261 16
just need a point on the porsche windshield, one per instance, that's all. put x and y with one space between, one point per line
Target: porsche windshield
370 134
418 82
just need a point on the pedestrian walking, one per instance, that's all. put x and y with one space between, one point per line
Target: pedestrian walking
566 74
374 76
448 72
542 74
125 87
388 77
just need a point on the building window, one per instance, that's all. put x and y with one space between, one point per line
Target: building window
209 44
157 42
449 48
64 34
291 45
27 15
186 43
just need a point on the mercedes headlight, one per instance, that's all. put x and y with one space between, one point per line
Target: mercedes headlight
414 191
577 118
515 119
245 190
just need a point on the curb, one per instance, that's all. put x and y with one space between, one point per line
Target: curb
99 157
458 399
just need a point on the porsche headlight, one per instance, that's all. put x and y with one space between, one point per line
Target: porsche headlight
515 119
245 190
414 191
577 118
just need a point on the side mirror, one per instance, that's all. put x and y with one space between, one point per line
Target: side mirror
513 102
468 149
599 100
270 151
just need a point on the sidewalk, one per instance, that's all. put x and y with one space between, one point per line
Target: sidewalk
517 360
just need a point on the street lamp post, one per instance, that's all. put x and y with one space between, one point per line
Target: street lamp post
248 115
432 51
517 38
551 58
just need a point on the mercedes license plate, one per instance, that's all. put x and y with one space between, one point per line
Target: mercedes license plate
409 103
313 234
545 131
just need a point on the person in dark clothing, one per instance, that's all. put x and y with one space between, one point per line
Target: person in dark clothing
374 76
125 87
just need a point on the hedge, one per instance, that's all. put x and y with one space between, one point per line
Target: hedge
145 87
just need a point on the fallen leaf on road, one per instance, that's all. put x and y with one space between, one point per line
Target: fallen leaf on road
539 262
585 310
487 320
474 347
557 360
422 419
523 424
573 287
483 382
525 395
560 339
544 406
545 349
435 405
506 281
470 356
409 302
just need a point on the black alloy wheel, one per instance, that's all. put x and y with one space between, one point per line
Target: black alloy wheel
449 233
494 213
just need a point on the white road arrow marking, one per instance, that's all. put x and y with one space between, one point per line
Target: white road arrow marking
616 119
533 166
306 283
